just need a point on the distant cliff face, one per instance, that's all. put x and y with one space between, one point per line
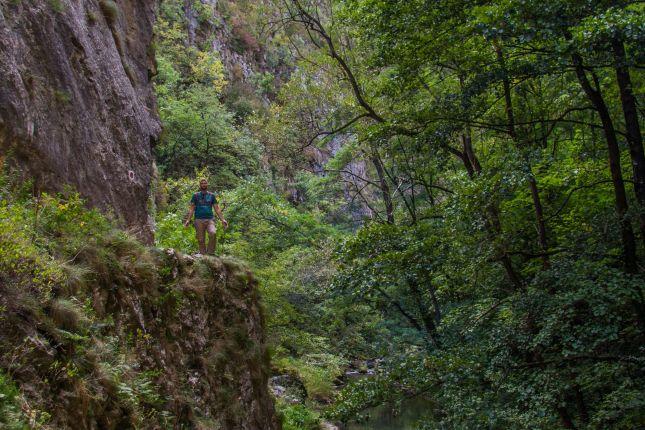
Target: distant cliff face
76 104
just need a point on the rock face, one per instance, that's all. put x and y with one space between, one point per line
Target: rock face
76 104
352 177
148 339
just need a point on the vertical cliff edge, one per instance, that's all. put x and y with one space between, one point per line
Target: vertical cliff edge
128 337
76 103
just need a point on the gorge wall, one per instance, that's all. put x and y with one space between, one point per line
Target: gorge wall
76 103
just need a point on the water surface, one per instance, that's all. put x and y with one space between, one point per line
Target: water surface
382 418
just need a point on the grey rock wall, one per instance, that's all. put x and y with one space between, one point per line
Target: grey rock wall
76 103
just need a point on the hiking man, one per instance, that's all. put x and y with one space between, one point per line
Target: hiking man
201 205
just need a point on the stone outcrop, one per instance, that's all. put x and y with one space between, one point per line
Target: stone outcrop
145 339
76 103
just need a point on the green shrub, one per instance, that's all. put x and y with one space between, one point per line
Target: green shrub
62 96
21 260
91 17
57 5
110 11
67 216
297 417
316 371
171 233
11 417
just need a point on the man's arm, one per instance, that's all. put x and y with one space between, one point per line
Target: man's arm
191 211
218 211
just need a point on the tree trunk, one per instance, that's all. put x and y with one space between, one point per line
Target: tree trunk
429 321
582 405
495 229
634 137
508 101
565 418
385 189
539 215
535 194
494 226
470 153
471 161
595 96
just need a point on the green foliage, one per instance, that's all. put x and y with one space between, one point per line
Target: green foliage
91 17
267 224
171 233
316 371
199 131
62 96
474 117
290 251
264 82
492 273
53 251
110 11
21 258
11 417
57 5
297 417
199 134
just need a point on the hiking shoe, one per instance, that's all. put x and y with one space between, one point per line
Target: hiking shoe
198 255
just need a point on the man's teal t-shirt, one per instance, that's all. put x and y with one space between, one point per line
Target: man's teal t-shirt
204 203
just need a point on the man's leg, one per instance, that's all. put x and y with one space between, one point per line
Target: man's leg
200 231
212 237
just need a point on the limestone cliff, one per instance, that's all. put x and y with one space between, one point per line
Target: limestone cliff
76 104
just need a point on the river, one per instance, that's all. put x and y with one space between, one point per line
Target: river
382 418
